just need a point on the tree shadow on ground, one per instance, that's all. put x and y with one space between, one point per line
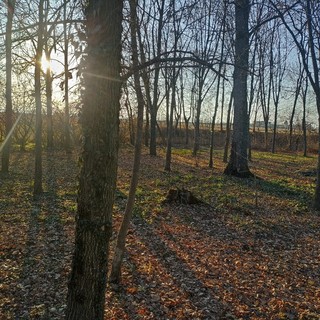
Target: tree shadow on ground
196 299
238 256
43 276
278 188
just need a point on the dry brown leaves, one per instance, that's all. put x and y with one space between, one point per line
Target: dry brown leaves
229 259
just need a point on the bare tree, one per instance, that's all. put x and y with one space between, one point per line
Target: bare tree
304 91
238 162
279 64
171 85
206 47
297 91
37 187
222 34
154 105
9 111
265 72
121 239
67 142
302 22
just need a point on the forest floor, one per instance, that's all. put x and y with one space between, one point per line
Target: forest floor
250 251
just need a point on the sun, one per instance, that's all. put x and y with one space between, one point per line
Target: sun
45 63
54 64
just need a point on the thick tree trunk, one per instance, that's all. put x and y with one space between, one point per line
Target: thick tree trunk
238 162
97 181
9 112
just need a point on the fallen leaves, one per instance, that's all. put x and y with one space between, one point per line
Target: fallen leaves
230 260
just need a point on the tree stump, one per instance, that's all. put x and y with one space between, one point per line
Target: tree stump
181 196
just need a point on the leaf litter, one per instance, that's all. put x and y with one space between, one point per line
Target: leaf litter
250 252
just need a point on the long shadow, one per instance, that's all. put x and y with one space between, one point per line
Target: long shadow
279 189
202 298
43 276
205 298
281 240
249 227
133 305
276 188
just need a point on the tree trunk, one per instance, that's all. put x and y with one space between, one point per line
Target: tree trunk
99 159
154 105
228 129
317 191
222 99
196 142
172 107
147 126
67 141
121 239
275 123
146 82
296 96
304 122
9 112
37 188
218 92
215 113
49 104
238 162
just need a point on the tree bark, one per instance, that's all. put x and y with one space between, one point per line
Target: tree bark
99 159
304 122
313 76
49 103
228 129
37 187
238 162
121 239
196 141
296 96
9 112
67 134
222 32
317 191
154 105
167 166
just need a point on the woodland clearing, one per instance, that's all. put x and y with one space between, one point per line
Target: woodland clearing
250 251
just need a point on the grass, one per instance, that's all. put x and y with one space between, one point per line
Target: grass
279 180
